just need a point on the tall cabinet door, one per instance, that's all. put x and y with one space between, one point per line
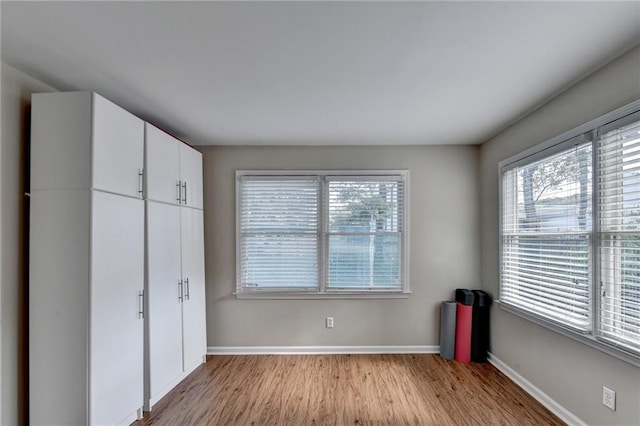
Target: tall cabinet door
165 295
116 325
191 174
193 308
162 163
118 149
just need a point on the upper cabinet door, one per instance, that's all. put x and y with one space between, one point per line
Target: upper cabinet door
118 149
191 176
162 153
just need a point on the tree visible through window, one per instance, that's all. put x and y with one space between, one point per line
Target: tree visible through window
546 228
364 239
570 234
321 232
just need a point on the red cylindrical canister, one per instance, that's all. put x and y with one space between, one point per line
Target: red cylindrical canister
464 318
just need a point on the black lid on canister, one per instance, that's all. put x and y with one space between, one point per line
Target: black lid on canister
464 296
481 298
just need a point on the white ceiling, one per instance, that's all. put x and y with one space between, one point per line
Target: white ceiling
319 73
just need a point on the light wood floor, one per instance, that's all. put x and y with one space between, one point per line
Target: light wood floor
346 390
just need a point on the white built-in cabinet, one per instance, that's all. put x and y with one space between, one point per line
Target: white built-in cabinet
174 170
86 262
116 262
80 140
176 323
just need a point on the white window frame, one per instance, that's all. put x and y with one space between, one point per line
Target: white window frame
512 233
547 149
323 292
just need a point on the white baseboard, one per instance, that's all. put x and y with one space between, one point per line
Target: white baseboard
320 350
544 399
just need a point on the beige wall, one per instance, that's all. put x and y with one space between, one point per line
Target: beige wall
444 246
16 98
569 372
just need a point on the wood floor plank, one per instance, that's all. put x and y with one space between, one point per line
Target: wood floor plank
346 390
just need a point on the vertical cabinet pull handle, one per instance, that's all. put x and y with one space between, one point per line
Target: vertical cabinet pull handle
141 304
186 296
141 182
180 296
184 196
179 192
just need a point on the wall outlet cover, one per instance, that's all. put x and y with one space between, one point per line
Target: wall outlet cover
608 398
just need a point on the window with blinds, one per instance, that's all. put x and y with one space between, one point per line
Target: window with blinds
618 200
320 232
570 233
279 244
364 218
545 240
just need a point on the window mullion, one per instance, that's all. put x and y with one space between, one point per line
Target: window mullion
322 205
596 242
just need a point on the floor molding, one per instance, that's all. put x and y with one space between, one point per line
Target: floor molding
320 350
553 406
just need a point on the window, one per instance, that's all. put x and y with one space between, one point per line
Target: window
618 203
279 232
546 230
570 233
321 233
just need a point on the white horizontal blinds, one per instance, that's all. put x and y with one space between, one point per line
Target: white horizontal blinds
546 226
279 239
618 181
364 232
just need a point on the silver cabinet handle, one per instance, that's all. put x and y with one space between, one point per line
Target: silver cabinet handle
179 191
141 304
180 294
184 187
186 280
141 182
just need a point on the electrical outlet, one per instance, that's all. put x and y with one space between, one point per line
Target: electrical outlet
608 398
329 322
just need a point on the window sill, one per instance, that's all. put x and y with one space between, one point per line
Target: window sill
586 339
311 296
